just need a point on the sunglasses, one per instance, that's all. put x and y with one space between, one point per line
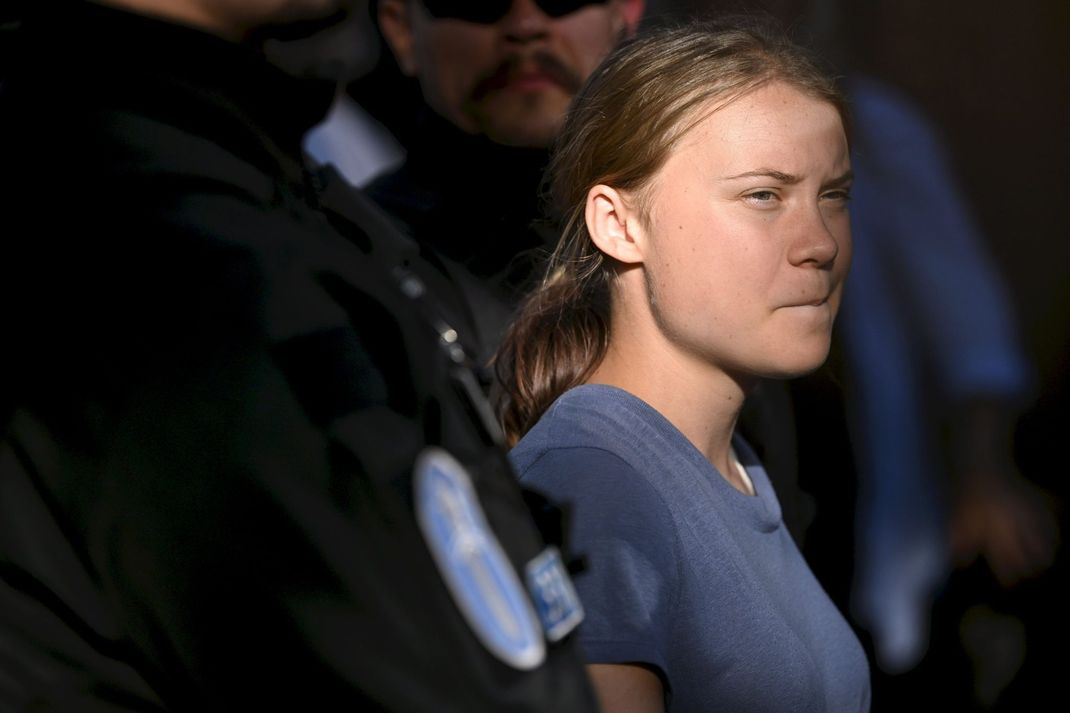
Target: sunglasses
487 12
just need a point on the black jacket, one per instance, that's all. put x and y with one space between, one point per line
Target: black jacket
478 207
216 393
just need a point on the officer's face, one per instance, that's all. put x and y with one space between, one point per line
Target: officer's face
507 74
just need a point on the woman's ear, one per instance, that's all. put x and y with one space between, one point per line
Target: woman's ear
614 225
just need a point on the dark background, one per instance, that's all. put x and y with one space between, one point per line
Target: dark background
993 76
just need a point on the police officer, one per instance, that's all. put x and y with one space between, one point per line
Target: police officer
244 462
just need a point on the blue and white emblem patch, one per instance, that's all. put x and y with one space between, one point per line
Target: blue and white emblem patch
555 596
473 565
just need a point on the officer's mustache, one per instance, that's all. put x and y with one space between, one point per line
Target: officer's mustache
514 66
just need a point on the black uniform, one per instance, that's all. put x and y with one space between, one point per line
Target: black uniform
476 205
242 462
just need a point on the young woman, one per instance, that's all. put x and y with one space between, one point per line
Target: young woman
704 174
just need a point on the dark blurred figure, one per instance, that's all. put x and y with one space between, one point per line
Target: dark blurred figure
244 464
928 382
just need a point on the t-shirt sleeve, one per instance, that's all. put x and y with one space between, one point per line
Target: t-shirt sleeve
623 530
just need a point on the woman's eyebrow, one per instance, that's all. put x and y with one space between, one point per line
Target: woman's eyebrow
789 179
778 176
840 181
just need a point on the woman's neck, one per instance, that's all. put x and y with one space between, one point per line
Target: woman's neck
702 402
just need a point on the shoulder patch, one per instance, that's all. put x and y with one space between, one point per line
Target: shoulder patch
475 568
555 597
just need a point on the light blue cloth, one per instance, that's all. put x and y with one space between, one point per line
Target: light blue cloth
686 573
357 145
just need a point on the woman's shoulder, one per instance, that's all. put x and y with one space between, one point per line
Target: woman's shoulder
590 416
566 424
579 453
608 499
575 469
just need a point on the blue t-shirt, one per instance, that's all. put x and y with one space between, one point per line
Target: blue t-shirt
684 572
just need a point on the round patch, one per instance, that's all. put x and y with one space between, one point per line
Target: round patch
484 584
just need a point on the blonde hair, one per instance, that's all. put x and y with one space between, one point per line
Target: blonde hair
620 130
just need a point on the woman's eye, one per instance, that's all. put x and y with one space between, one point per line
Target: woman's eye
761 197
841 196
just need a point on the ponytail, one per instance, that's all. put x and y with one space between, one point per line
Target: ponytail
557 338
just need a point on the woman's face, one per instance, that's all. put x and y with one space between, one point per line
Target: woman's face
748 235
